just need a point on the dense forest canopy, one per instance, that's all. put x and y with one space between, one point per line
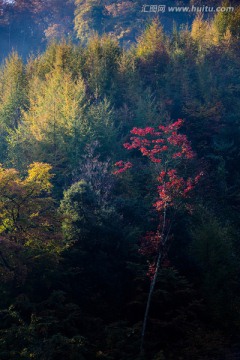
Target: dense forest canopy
119 182
29 25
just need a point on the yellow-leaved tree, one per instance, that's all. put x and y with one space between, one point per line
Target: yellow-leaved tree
29 224
54 124
26 207
13 97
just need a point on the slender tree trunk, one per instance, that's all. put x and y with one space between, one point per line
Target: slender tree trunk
152 286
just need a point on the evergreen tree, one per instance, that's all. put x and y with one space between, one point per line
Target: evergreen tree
13 98
54 126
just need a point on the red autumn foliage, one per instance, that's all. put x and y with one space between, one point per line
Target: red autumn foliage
159 144
123 166
168 148
173 188
150 243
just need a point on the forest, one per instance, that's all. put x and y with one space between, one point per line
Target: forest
119 184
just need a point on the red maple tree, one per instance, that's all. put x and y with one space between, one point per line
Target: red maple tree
169 150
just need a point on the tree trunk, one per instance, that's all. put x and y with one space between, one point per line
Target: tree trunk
153 283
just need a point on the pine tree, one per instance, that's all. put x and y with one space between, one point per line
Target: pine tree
54 126
13 98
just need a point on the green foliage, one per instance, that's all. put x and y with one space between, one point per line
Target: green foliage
151 41
13 98
214 250
101 64
79 208
89 17
228 21
41 336
54 125
100 119
61 56
73 283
